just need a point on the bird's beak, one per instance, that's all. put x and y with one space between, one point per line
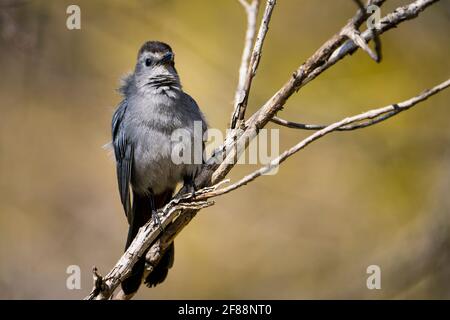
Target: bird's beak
166 58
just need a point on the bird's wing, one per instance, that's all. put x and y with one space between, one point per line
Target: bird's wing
123 151
192 103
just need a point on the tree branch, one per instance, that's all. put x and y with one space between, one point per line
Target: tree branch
326 56
305 126
148 234
243 90
252 12
392 109
351 31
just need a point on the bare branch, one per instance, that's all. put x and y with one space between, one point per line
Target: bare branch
390 21
351 31
305 126
323 59
355 36
242 93
297 125
252 12
147 235
372 114
326 56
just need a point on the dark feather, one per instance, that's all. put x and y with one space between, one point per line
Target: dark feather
161 270
123 151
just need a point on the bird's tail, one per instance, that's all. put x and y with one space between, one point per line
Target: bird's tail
141 213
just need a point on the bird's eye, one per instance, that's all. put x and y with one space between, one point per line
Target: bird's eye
148 62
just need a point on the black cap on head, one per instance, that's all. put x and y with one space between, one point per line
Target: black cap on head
154 46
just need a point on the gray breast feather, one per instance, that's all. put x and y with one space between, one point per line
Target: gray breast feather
149 123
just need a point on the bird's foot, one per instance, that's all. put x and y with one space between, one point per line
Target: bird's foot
188 189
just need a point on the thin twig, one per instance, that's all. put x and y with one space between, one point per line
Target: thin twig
355 36
351 31
242 93
308 126
251 11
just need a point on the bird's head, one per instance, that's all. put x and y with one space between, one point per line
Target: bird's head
155 66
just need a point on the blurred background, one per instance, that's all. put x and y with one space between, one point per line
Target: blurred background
375 196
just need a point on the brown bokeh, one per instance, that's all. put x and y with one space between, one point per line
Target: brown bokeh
375 196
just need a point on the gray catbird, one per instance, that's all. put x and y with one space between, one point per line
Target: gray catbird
153 108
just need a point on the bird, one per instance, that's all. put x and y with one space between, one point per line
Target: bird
154 107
